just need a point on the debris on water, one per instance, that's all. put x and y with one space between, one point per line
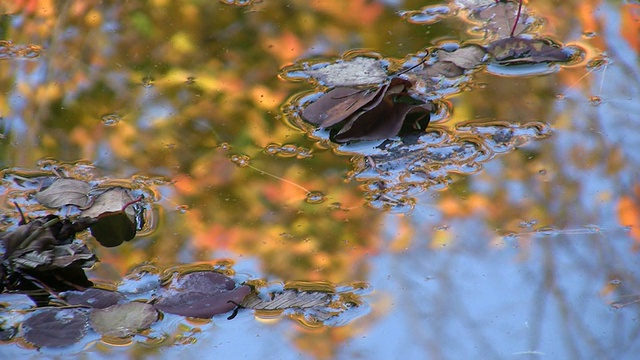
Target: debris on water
315 197
428 15
111 119
595 100
240 160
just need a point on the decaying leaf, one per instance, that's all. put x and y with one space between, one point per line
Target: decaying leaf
358 71
63 192
123 320
288 299
367 114
201 294
115 220
55 327
513 51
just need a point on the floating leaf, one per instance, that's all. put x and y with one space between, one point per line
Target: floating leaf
499 18
201 294
123 320
512 51
64 192
115 222
466 57
93 297
358 71
55 327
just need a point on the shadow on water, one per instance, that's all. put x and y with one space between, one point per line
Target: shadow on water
265 178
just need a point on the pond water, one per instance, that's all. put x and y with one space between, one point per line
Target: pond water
509 227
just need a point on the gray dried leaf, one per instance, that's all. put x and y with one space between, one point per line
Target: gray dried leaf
358 71
63 192
288 299
466 57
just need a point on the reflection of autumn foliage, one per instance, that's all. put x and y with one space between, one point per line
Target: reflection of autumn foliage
629 214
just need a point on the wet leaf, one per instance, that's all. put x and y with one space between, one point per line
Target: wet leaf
443 68
93 297
64 192
466 57
511 51
55 327
115 223
123 320
358 71
201 294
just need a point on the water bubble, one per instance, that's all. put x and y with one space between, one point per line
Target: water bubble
315 197
190 80
589 34
615 282
240 160
111 119
225 146
595 100
542 172
288 150
272 149
560 96
304 153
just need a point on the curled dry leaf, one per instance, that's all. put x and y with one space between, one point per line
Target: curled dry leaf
55 327
63 192
367 114
123 320
201 294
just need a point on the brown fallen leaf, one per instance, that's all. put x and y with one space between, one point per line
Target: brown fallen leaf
366 114
515 51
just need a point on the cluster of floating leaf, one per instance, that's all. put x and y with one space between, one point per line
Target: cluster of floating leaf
119 314
41 255
387 104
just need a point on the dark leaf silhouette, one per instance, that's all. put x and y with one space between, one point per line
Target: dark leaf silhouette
93 297
515 51
114 217
64 191
367 114
202 295
123 320
55 327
